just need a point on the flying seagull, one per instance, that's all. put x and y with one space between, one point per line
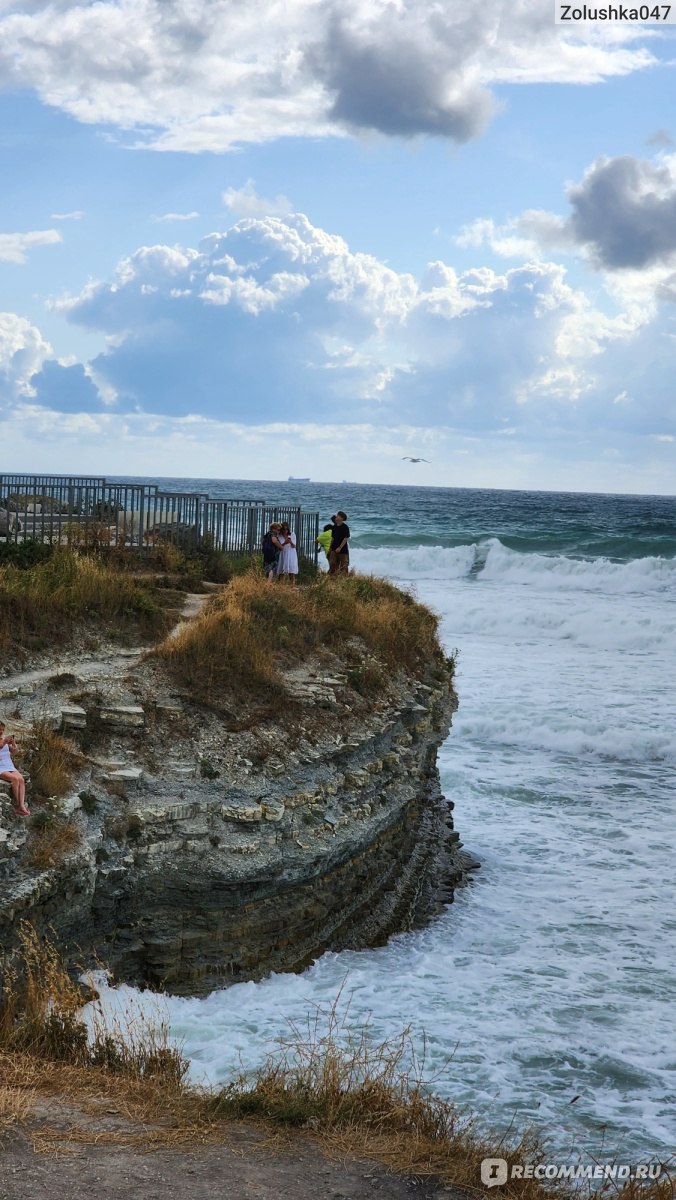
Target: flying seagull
407 458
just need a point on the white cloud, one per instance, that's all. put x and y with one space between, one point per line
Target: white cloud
209 75
23 350
69 216
172 216
244 202
277 316
14 247
623 219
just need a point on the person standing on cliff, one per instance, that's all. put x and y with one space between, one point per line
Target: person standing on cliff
339 554
9 772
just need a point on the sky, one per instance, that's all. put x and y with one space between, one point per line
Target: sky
258 238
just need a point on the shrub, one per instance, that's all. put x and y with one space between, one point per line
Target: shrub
208 770
40 1013
42 820
52 843
51 599
25 554
51 759
89 802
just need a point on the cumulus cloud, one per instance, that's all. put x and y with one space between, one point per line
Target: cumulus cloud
209 75
387 75
23 351
14 247
624 211
282 320
622 219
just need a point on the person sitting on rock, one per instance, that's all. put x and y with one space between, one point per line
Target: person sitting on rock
9 772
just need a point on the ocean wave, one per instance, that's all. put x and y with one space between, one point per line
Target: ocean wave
492 561
623 547
575 738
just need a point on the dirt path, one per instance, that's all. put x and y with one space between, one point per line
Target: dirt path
248 1166
106 664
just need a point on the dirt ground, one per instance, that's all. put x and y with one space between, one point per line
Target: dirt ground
46 1159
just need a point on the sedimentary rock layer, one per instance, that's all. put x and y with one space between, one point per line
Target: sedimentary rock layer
189 882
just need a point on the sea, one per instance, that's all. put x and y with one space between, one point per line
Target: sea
545 994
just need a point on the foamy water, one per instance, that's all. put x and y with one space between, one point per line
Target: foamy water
554 974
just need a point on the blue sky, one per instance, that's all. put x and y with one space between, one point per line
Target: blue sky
311 238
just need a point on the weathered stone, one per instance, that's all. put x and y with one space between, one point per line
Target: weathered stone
122 716
121 783
168 707
73 717
273 810
69 805
240 811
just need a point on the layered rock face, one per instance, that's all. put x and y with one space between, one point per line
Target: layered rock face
191 875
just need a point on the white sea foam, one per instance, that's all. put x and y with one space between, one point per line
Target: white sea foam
491 561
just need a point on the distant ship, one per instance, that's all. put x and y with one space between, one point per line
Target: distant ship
298 479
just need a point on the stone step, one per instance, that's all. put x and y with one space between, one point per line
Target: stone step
123 781
121 716
168 707
73 717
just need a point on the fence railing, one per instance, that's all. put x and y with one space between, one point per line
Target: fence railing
88 511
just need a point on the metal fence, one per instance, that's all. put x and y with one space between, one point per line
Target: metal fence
89 512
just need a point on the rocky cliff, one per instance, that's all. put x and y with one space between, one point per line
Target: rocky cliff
208 849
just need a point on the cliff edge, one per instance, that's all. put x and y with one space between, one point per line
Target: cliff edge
227 824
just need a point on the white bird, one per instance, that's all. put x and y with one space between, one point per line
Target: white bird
407 458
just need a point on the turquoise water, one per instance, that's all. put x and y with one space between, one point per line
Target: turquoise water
554 974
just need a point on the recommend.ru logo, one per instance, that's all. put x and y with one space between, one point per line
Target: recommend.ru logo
496 1171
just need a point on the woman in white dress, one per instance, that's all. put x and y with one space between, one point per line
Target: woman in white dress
9 772
288 558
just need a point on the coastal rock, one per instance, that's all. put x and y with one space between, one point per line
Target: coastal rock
122 716
242 812
212 855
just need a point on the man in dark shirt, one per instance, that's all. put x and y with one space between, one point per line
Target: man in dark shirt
339 554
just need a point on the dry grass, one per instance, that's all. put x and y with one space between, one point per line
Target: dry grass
40 1014
52 843
17 1095
51 760
249 631
370 1099
48 601
352 1096
143 1112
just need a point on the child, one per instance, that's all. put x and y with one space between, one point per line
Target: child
324 539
